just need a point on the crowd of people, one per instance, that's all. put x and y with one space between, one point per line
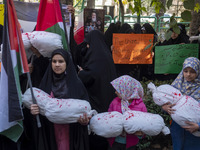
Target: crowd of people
89 73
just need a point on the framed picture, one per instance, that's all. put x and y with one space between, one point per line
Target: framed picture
67 15
93 20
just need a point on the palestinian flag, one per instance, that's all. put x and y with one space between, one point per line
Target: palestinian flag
14 62
50 19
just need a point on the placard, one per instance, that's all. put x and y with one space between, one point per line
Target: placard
170 58
93 20
132 48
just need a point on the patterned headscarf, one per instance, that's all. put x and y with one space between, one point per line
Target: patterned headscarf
128 88
189 88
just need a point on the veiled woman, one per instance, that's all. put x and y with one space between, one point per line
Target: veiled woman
61 81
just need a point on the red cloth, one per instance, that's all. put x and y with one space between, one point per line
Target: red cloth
137 105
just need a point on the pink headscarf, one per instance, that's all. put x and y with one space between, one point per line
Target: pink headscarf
128 88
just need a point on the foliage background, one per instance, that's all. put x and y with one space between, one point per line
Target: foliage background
160 141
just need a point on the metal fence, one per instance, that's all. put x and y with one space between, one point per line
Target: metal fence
159 25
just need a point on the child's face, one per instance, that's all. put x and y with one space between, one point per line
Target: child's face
189 74
118 95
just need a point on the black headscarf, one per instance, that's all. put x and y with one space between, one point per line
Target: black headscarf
68 85
113 28
182 37
137 28
150 30
130 30
98 71
65 85
124 28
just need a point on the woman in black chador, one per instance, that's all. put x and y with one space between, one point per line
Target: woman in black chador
113 28
97 72
61 81
176 38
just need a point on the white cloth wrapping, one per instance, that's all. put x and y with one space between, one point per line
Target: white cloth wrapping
148 123
187 109
164 93
27 44
41 98
45 42
60 111
192 38
107 124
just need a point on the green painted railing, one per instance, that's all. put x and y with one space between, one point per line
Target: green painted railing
143 19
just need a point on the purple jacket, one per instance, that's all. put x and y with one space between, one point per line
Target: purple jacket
137 105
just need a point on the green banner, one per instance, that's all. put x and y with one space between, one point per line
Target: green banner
170 58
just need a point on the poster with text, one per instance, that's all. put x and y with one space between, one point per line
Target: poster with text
93 20
132 48
170 58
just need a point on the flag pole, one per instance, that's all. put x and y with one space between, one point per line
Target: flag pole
33 98
64 26
28 73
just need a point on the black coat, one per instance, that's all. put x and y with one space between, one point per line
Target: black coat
98 71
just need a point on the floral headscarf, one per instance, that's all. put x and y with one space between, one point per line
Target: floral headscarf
189 88
128 88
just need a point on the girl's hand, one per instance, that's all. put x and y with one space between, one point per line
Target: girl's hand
35 109
111 47
168 108
79 69
191 127
30 67
70 9
35 51
84 120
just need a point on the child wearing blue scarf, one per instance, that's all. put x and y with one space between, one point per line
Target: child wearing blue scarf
188 82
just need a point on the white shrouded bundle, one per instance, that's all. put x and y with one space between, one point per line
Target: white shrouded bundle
60 111
45 42
192 38
148 123
187 109
26 40
27 44
107 124
164 93
41 98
